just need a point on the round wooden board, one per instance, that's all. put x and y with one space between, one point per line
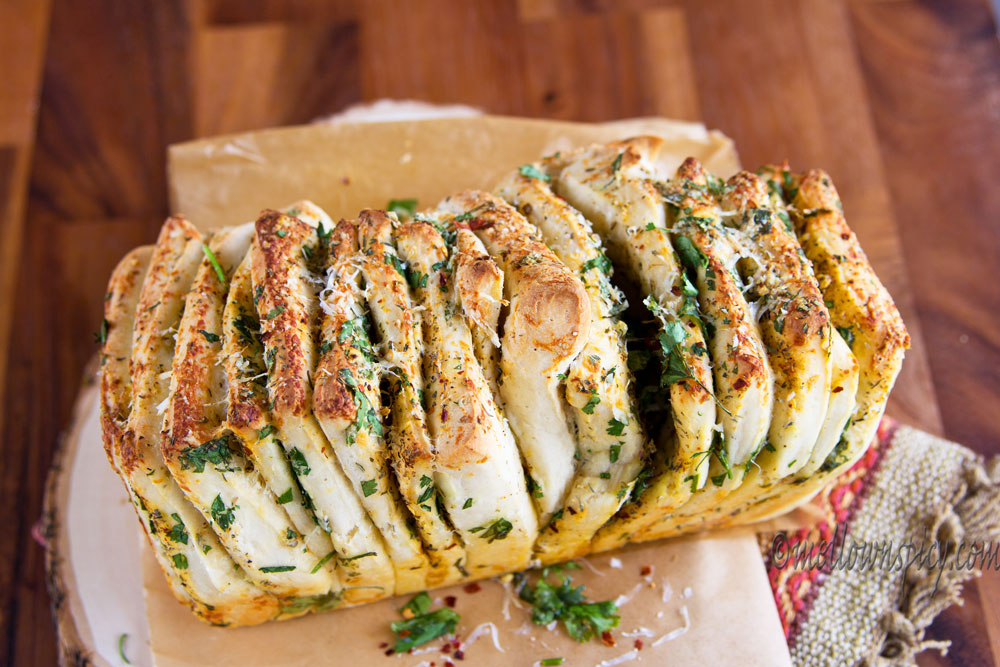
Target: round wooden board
92 549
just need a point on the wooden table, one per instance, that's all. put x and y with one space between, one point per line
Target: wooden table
898 100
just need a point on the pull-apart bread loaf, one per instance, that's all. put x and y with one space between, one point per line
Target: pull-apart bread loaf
309 414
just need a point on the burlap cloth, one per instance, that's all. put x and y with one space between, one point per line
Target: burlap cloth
877 556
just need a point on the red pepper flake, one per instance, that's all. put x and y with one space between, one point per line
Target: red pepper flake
646 571
638 644
450 600
459 655
474 224
449 663
383 644
607 638
474 587
389 651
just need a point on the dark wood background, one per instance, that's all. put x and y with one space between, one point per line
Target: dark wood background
899 100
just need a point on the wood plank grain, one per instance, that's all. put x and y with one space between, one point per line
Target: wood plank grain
933 72
23 37
934 80
251 76
803 98
589 67
67 263
441 51
110 105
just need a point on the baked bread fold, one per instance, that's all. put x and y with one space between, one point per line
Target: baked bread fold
309 414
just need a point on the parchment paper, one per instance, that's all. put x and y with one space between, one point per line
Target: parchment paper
705 599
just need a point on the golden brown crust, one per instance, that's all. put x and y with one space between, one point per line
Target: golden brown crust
333 399
553 302
244 356
284 318
119 314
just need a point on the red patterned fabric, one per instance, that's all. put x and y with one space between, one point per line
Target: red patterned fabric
794 589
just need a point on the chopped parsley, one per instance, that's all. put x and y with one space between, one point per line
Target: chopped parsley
420 604
298 462
615 428
322 561
422 627
367 419
497 530
467 504
324 234
180 561
600 262
531 171
243 324
416 278
121 648
472 213
583 620
551 661
402 207
210 337
277 568
592 402
101 336
177 532
614 453
266 431
285 497
847 334
350 558
368 487
217 452
691 257
616 164
274 312
222 515
675 369
214 262
395 262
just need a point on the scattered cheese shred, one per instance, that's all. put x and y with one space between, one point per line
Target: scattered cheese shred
674 634
481 630
624 657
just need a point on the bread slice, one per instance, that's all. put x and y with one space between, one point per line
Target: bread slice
610 438
248 418
794 321
547 325
478 479
184 542
397 321
282 270
347 400
206 460
613 185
